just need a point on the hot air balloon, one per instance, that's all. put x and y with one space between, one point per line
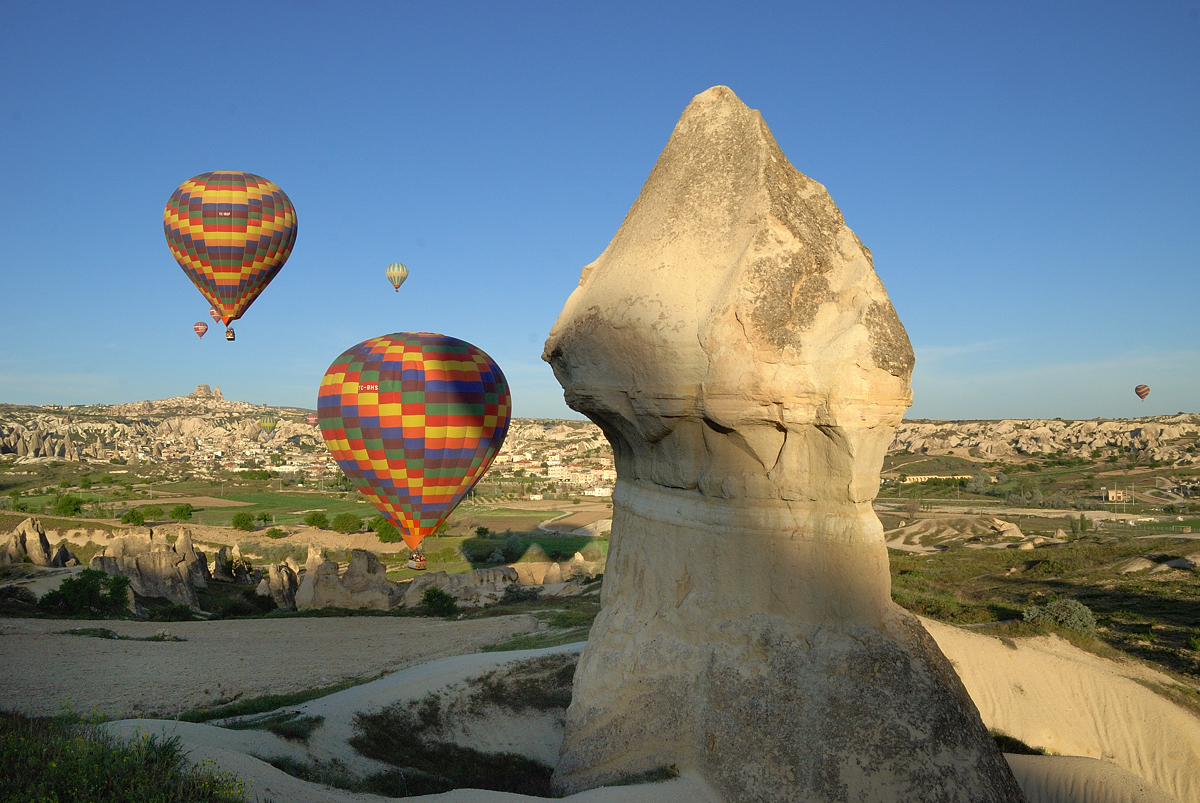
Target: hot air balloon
1142 391
396 274
267 424
312 419
231 233
200 327
212 313
414 420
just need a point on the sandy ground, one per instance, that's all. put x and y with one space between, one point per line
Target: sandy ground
1120 742
220 661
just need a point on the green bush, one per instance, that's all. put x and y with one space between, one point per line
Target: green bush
91 592
265 517
386 531
482 531
347 523
438 602
67 505
153 513
182 512
53 759
1066 613
172 613
275 532
317 519
243 521
134 517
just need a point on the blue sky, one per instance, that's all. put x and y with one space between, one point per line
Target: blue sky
1027 176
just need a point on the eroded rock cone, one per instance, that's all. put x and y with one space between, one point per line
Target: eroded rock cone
741 355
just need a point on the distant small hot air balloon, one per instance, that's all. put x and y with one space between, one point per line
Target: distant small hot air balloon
414 420
200 327
212 313
267 424
231 232
396 274
313 419
1142 391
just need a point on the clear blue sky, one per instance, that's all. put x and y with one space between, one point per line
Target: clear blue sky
1026 174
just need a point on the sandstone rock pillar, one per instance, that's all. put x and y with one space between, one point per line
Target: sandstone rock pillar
741 355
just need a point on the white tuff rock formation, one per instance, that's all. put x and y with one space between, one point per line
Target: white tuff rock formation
741 355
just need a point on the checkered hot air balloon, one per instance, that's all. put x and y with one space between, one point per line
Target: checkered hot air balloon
1142 391
414 420
231 233
200 328
396 274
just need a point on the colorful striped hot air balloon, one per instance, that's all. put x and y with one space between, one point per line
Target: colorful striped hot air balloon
414 420
1142 391
267 424
396 274
200 328
216 316
231 233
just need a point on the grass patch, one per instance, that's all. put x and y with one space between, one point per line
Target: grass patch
290 725
538 684
53 759
396 783
268 702
656 775
104 632
536 641
1011 744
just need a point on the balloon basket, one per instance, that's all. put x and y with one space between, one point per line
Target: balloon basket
416 561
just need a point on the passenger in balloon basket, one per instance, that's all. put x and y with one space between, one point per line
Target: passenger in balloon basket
229 334
416 561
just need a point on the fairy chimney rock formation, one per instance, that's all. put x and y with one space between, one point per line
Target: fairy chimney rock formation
739 352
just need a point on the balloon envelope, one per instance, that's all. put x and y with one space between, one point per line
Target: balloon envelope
313 419
1142 391
216 316
414 420
231 233
200 327
396 274
267 423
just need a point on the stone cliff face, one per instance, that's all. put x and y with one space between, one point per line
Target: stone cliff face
738 350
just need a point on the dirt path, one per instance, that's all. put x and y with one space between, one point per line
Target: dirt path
46 671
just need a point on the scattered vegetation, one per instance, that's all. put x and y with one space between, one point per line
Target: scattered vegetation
106 633
290 725
91 592
53 759
1065 613
269 702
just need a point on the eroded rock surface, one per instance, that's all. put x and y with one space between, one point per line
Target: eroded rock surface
154 567
741 355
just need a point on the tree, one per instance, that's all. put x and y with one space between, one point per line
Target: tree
67 505
243 521
317 519
264 517
181 512
438 602
482 531
134 517
85 482
89 592
278 460
154 512
347 523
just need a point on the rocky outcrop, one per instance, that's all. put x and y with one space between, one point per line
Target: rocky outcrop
282 585
364 585
28 541
153 566
222 568
471 590
742 357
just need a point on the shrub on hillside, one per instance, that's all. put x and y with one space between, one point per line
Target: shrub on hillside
383 528
347 523
133 517
275 532
181 512
91 592
1065 613
67 505
317 519
438 602
152 513
243 521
